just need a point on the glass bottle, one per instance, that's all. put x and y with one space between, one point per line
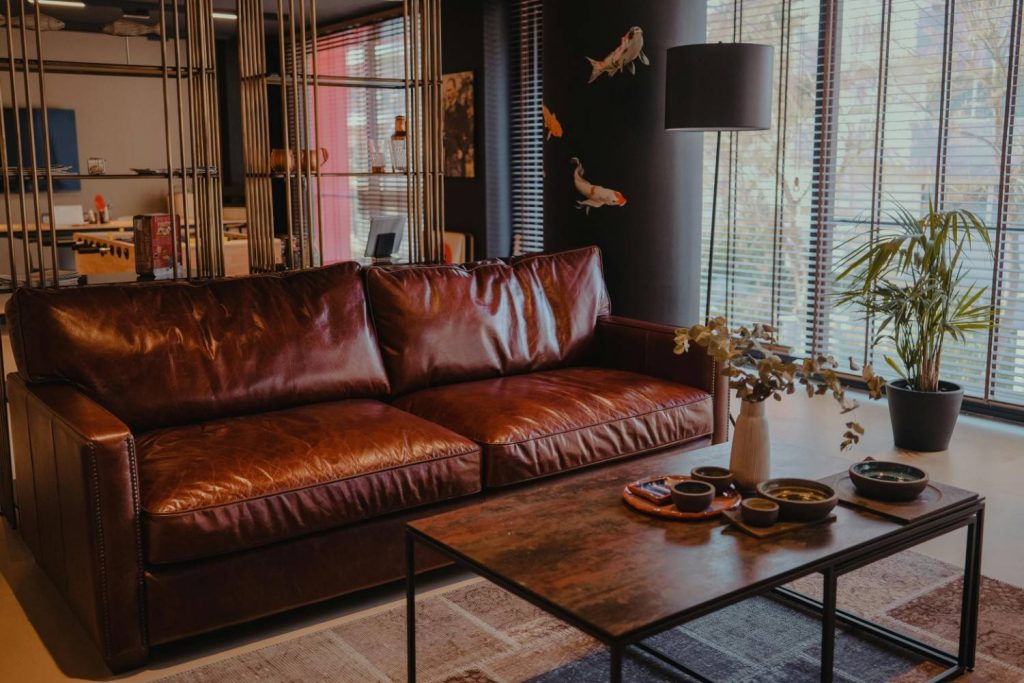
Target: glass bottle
399 143
377 158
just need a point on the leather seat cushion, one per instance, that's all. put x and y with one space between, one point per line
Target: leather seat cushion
238 483
547 422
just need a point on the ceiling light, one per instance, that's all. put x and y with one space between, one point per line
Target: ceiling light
141 15
227 16
60 3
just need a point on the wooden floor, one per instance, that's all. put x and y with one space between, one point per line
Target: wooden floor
41 641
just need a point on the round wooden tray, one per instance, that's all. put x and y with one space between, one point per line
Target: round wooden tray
730 500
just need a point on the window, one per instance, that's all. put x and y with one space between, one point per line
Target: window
526 127
761 266
879 103
350 120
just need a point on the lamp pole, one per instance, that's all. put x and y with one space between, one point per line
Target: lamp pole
711 242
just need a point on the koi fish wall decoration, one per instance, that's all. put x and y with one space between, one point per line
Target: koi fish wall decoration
630 48
596 196
126 28
46 22
551 124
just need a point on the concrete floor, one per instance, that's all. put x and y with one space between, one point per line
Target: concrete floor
40 640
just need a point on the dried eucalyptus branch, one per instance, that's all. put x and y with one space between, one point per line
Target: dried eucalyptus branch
757 373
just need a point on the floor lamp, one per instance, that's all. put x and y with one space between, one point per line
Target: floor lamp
718 87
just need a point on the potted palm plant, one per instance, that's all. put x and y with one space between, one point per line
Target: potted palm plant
913 281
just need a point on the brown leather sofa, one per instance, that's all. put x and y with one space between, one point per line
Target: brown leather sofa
191 456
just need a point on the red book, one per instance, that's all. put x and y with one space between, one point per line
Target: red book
154 242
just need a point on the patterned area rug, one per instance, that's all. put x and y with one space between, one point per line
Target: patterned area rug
474 632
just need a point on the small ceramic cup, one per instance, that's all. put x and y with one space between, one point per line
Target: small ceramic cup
759 511
692 496
719 477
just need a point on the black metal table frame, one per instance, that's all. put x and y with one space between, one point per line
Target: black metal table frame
970 514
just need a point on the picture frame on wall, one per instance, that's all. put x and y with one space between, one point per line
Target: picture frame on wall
458 125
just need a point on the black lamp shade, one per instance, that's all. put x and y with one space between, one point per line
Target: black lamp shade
719 86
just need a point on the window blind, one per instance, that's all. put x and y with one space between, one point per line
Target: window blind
762 250
351 118
526 127
880 103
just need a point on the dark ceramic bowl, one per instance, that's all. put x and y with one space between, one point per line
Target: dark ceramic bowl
692 496
719 477
759 511
888 480
799 500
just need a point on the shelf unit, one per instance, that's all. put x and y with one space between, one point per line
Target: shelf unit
345 82
190 130
108 176
297 84
100 69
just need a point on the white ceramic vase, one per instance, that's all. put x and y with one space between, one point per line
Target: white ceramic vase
750 461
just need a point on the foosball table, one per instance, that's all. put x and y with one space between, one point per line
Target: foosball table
114 252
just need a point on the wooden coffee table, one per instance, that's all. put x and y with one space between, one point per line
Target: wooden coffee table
572 548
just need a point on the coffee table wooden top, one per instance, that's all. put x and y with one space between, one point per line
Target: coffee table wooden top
572 545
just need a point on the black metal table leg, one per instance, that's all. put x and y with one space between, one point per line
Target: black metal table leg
615 675
410 607
828 624
975 595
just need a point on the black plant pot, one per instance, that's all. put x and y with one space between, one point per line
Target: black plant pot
923 420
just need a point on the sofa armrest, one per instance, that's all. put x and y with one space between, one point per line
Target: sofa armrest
78 504
646 348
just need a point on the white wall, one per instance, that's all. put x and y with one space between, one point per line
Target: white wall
117 118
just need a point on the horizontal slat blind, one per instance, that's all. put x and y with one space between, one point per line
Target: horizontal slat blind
750 226
350 119
722 26
526 127
374 50
764 201
851 178
977 85
1006 370
796 115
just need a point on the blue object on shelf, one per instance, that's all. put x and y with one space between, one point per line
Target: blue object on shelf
63 146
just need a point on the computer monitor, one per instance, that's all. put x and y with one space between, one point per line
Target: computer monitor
385 236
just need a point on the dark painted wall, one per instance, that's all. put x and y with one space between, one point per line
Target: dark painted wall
475 37
615 125
462 49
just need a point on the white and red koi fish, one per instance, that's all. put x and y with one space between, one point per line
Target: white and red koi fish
596 196
630 48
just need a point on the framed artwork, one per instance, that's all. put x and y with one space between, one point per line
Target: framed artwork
459 113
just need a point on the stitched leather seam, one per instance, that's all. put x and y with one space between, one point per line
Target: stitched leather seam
601 424
317 484
653 449
101 549
137 523
331 526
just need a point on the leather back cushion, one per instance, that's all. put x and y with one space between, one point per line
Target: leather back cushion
166 354
445 324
